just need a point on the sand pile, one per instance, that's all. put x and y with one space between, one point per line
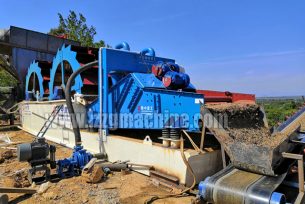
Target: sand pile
245 123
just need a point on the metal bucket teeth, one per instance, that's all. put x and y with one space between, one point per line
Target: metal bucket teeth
64 54
42 70
75 56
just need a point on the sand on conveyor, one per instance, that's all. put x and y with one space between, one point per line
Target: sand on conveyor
246 124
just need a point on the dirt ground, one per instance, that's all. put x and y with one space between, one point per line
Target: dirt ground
129 188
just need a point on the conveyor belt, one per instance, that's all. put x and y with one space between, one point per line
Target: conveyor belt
233 186
263 154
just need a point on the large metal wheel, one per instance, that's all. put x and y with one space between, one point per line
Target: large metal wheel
37 79
67 60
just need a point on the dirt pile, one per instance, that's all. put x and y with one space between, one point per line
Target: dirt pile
18 180
21 179
6 154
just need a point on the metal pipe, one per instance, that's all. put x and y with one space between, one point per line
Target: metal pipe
114 167
100 92
148 51
123 45
104 95
18 190
75 126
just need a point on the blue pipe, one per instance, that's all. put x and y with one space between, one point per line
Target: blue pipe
122 45
104 95
148 51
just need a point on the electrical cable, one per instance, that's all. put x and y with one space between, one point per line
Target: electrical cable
193 143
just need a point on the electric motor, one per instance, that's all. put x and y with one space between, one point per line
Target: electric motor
37 150
171 74
161 68
176 80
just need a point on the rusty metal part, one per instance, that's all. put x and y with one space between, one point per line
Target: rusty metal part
182 193
17 190
164 177
226 97
169 187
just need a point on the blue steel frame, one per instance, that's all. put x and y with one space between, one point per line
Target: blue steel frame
131 62
64 54
34 69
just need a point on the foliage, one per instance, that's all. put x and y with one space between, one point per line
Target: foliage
278 110
6 79
74 27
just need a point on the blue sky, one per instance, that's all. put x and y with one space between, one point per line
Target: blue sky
240 45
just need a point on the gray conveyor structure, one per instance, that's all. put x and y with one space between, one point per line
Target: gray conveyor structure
234 186
252 176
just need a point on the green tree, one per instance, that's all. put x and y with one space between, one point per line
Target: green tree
74 27
277 111
6 79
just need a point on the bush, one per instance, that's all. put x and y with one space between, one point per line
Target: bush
278 110
6 79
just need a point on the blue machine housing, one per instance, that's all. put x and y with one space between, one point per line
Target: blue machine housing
72 166
138 99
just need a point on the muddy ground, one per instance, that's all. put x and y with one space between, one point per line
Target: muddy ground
129 188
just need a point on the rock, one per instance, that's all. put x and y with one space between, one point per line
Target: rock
44 187
21 179
92 193
94 175
1 159
50 196
7 154
33 185
85 200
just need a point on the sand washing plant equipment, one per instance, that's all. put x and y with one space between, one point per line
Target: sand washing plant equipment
121 90
47 79
124 83
125 86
